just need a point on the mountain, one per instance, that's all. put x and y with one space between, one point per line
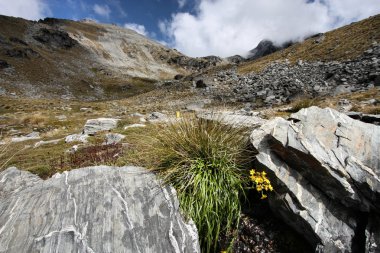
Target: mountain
264 48
344 43
84 60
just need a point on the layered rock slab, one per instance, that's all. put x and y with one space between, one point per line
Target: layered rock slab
95 209
326 170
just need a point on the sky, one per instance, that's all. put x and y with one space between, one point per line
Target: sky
206 27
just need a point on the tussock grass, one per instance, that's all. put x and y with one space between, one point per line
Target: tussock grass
203 161
302 103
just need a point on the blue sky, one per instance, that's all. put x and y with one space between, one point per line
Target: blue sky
147 13
206 27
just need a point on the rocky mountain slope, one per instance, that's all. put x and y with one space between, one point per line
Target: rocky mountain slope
341 61
83 60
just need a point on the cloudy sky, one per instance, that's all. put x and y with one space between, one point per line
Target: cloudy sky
206 27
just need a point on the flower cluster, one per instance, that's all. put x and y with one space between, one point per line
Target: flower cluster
261 181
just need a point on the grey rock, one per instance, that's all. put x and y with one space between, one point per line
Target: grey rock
325 170
93 126
28 137
134 126
200 84
76 138
61 117
196 106
156 117
372 234
113 138
340 89
95 209
42 143
234 119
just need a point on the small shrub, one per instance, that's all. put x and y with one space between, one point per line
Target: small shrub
203 161
88 156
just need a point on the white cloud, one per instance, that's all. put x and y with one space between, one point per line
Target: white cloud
225 28
137 28
102 10
30 9
181 3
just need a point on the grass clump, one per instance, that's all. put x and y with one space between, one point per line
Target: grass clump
203 161
302 103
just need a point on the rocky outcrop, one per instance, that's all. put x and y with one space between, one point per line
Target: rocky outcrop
264 48
55 38
282 81
325 169
95 209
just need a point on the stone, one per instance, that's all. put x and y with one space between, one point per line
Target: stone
233 119
200 84
61 117
93 126
76 138
113 138
178 77
42 143
196 106
94 209
134 126
28 137
4 64
326 172
157 117
340 89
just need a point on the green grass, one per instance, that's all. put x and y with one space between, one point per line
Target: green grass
203 160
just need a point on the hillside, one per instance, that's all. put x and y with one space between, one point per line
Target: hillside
344 43
82 60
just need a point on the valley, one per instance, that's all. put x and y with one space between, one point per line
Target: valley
75 94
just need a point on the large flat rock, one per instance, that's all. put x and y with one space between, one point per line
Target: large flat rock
95 209
325 168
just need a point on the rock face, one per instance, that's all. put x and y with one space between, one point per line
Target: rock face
93 126
264 48
325 169
55 38
95 209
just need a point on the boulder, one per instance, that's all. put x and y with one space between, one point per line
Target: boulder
233 119
42 143
4 64
325 170
113 138
28 137
157 117
95 209
200 84
76 138
93 126
134 126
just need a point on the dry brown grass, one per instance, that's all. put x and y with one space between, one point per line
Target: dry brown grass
344 43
